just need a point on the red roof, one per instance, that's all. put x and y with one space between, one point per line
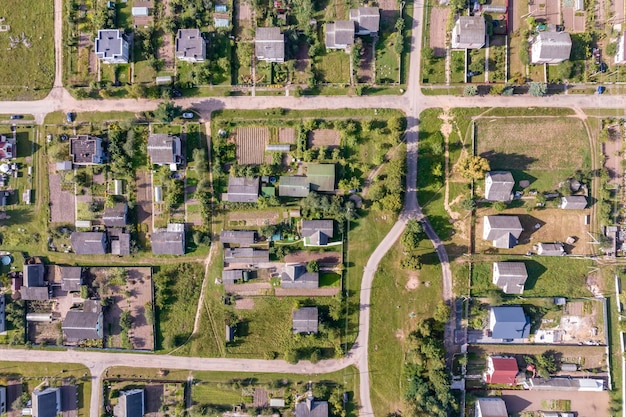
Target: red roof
504 371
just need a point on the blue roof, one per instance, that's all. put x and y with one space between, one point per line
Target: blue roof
509 323
221 8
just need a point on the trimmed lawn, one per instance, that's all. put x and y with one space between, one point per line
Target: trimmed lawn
330 279
333 67
387 70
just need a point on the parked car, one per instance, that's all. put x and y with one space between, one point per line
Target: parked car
603 67
601 89
472 74
188 115
176 93
70 117
16 116
597 55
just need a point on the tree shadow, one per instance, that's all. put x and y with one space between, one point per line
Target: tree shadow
508 161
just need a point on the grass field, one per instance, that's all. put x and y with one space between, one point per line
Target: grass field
27 69
387 70
333 67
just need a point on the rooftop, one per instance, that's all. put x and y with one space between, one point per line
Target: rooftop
305 320
243 189
190 44
109 43
269 44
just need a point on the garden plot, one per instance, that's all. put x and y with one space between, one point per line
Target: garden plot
287 135
252 218
324 137
62 203
573 20
438 31
250 144
547 11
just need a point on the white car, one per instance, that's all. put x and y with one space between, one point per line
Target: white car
188 115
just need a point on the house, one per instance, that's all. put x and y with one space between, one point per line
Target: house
169 241
311 408
499 186
317 232
221 18
269 45
297 276
510 277
71 277
321 177
3 323
120 242
565 384
33 286
8 147
305 321
238 237
490 407
293 186
508 323
115 216
131 403
242 190
46 403
3 399
551 249
86 150
248 256
141 13
503 231
164 149
367 20
340 35
112 46
85 324
89 243
469 32
573 202
230 276
620 55
190 45
501 370
550 48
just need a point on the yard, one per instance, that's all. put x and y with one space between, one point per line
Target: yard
333 67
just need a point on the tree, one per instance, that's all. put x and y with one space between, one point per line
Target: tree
126 320
84 292
477 65
137 90
167 111
546 364
397 124
499 206
391 202
564 70
470 90
472 167
291 356
411 262
312 266
468 204
538 89
428 54
412 235
611 49
442 312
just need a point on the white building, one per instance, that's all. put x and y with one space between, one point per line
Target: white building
551 48
469 32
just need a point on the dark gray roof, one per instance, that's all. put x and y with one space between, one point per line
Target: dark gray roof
499 185
229 276
115 216
86 149
574 202
189 44
246 256
551 249
502 230
305 320
470 29
46 403
71 278
163 149
33 275
109 43
169 241
311 227
240 237
89 243
296 276
120 242
367 19
293 186
554 45
509 322
312 408
131 404
230 333
34 293
243 189
269 44
339 34
510 276
83 324
492 407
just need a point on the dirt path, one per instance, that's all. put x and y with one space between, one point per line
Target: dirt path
166 50
446 130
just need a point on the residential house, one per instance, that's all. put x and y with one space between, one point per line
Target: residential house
573 202
305 320
469 32
551 249
230 276
221 18
86 150
503 231
169 241
89 243
120 242
508 323
85 324
3 400
317 232
46 403
510 277
321 177
242 190
340 35
112 46
293 186
620 55
190 45
269 45
247 256
242 238
8 147
311 408
490 407
3 323
297 276
565 384
115 216
551 48
131 403
164 149
499 186
501 370
34 288
367 20
141 13
71 277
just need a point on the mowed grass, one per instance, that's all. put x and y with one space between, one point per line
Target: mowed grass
334 67
395 312
547 277
27 68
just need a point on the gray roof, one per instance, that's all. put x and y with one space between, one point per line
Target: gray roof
189 44
71 278
499 185
509 322
84 149
246 256
33 275
311 408
305 320
296 276
83 324
339 33
115 216
491 407
120 242
46 403
169 241
574 202
89 243
502 230
240 237
269 44
109 43
34 293
243 189
551 249
162 148
293 186
131 403
554 45
510 276
367 19
470 29
229 276
319 231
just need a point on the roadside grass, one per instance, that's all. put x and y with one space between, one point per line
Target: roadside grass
296 115
446 91
58 117
27 69
530 111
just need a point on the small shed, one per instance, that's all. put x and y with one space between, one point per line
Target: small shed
64 166
85 224
158 194
140 11
118 187
230 333
569 367
277 402
164 80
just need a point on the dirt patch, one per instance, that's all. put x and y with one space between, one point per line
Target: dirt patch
252 218
250 144
244 304
574 20
366 72
588 404
144 201
547 11
324 259
62 203
399 334
388 12
154 395
324 137
438 15
287 135
412 283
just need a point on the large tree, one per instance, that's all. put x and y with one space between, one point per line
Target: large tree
472 167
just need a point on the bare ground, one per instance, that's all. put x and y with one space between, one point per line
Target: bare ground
62 204
324 137
587 404
438 15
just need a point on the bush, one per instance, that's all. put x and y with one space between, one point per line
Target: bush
499 206
538 89
470 90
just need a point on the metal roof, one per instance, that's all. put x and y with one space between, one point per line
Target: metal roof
169 241
311 408
243 189
269 44
574 202
508 322
499 185
554 45
88 243
189 44
241 237
115 216
293 186
367 19
131 403
510 276
339 34
163 148
305 320
491 407
470 30
46 403
503 230
321 176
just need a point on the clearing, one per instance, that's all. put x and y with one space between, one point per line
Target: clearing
324 137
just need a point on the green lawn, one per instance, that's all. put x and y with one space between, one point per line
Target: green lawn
27 67
333 67
330 279
387 70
